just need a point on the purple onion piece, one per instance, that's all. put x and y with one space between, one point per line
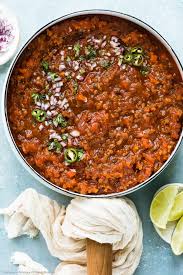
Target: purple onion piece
6 34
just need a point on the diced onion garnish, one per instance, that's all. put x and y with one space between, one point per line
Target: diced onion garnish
9 35
75 133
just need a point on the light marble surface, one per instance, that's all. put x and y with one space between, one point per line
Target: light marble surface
166 16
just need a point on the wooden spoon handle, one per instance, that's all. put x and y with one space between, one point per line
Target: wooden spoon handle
99 258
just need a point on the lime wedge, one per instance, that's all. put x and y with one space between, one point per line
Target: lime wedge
177 238
161 206
166 234
177 209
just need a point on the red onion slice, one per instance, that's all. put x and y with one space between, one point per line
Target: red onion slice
9 34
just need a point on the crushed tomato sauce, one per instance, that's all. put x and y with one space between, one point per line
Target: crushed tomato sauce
95 104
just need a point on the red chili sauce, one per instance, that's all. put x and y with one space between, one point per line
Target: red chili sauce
95 104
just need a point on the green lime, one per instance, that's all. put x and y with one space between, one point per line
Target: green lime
177 238
177 209
161 206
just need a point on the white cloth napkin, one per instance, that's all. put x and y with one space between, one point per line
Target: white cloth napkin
114 221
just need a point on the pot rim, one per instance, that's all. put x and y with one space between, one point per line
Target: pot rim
8 132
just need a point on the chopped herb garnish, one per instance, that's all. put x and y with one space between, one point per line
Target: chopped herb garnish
90 52
73 154
120 60
68 59
47 87
144 71
59 120
69 77
64 137
77 48
54 145
105 63
35 97
82 71
38 97
45 66
39 115
81 58
52 75
102 52
75 86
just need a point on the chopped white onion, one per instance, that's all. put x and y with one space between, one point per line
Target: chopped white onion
55 135
63 102
41 127
61 67
49 78
117 53
45 106
91 65
48 113
57 90
54 113
97 41
67 73
75 133
58 85
80 77
75 65
38 104
119 62
103 44
53 100
63 143
66 106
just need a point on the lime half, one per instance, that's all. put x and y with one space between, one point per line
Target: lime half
177 209
177 238
162 204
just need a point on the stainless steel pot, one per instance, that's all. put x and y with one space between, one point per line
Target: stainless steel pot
5 92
